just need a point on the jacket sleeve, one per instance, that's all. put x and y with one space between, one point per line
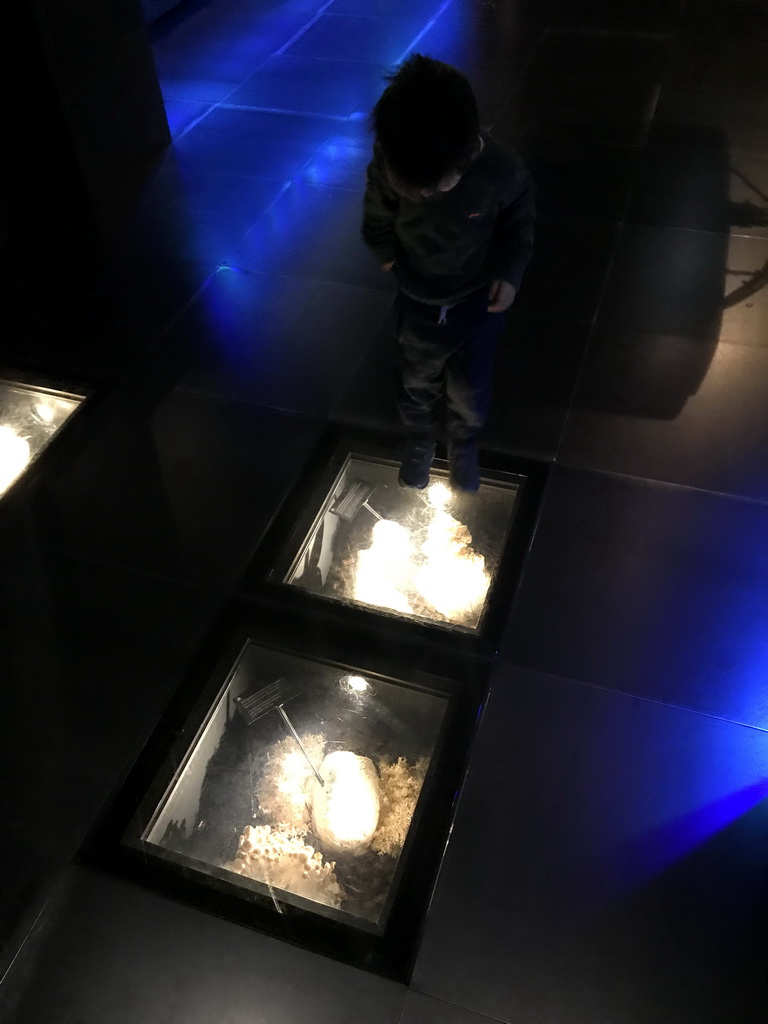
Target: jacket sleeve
513 238
379 209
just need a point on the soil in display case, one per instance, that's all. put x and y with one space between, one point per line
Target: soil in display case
303 784
29 417
430 555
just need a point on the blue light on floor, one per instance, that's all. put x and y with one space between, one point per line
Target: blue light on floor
679 796
340 163
219 78
231 308
412 46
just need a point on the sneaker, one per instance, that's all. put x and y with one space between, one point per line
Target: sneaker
417 461
464 468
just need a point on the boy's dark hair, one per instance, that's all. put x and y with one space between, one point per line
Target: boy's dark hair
426 122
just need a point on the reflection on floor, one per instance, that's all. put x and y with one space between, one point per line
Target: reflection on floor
609 854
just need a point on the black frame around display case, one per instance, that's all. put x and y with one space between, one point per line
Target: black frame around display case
410 674
276 557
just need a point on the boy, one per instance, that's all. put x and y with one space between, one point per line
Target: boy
451 213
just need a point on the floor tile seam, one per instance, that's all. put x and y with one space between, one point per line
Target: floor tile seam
730 343
758 233
309 277
178 18
420 35
223 177
26 929
320 418
709 118
196 121
302 31
311 58
401 1014
352 61
606 324
358 16
354 189
658 483
241 83
225 264
296 178
310 114
715 92
726 47
676 82
629 695
280 275
735 233
482 1016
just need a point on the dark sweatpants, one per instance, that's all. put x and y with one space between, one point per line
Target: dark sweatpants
453 358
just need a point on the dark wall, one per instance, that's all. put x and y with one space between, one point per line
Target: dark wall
102 70
43 190
84 115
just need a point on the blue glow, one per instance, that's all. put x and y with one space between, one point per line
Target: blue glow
340 162
232 308
692 777
672 841
225 76
294 38
285 112
411 47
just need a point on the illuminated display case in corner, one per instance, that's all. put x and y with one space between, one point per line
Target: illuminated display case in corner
29 418
306 797
353 537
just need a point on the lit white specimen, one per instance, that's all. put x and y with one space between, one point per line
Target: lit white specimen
357 683
14 456
345 811
439 494
384 569
453 577
445 572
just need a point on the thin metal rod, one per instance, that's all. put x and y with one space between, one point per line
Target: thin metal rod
295 735
373 510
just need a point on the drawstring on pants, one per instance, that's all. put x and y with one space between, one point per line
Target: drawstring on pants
444 314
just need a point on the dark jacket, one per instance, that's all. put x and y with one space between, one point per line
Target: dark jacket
449 245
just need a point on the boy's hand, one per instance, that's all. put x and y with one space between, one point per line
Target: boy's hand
502 295
387 266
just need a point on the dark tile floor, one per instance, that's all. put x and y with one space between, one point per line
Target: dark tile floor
609 857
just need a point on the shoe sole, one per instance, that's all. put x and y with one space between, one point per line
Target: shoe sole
412 487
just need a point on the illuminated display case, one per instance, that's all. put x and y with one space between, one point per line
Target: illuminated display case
301 795
29 418
442 561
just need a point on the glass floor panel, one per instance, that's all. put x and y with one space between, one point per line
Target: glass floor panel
302 784
430 555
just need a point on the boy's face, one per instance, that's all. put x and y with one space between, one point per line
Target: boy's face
445 184
450 181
